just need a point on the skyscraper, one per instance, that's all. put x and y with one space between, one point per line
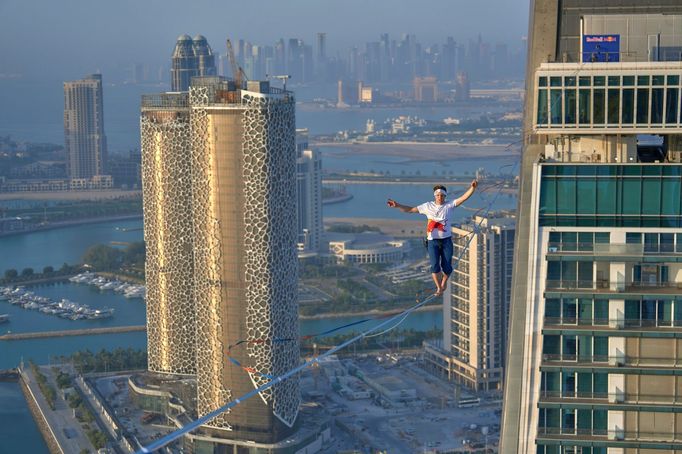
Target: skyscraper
245 265
191 58
309 193
84 139
594 349
166 176
476 305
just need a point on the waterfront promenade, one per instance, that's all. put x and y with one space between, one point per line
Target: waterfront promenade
73 332
62 433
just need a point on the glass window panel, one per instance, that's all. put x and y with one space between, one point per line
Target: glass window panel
584 81
666 242
555 107
601 382
570 106
606 196
631 196
600 421
585 384
551 344
671 105
651 242
548 196
614 81
599 106
665 313
553 419
587 190
651 196
585 421
601 312
628 106
554 237
566 191
553 271
631 312
555 81
637 273
569 241
673 80
585 311
678 312
602 237
585 273
633 238
584 347
552 381
642 80
599 81
553 308
642 105
585 241
568 420
542 107
543 81
614 106
569 81
648 312
658 80
584 107
601 348
569 310
628 81
657 105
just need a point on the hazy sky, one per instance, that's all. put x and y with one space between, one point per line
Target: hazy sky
68 38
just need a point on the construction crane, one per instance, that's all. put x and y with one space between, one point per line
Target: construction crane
237 71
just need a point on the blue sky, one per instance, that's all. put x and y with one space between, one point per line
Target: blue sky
67 38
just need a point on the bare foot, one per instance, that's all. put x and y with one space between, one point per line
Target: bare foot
439 291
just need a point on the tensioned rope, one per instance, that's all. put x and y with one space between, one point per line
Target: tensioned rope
371 332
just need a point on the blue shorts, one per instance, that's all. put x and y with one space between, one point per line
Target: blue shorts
440 254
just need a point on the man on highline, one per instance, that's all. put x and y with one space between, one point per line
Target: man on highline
438 230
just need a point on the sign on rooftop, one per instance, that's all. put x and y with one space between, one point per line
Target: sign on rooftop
601 48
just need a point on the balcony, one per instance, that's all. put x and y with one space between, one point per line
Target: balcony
614 361
629 438
613 251
591 324
605 287
609 399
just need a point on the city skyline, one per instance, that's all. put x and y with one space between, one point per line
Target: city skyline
104 48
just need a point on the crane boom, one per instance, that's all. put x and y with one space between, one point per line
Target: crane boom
237 72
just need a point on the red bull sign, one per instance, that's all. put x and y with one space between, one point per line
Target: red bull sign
601 48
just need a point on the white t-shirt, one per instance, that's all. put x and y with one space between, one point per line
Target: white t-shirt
439 225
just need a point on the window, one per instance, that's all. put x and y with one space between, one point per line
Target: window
570 107
555 106
542 107
599 106
642 105
628 106
584 107
601 312
657 105
614 105
671 105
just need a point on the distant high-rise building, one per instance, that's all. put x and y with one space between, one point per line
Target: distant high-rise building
166 175
309 193
191 58
596 314
425 89
462 87
476 306
84 138
321 56
245 264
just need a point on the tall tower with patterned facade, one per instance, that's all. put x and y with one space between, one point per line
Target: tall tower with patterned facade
166 176
596 314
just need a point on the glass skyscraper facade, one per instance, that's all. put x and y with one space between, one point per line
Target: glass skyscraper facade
595 338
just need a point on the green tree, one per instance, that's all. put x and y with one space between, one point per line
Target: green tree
27 272
11 273
102 257
48 270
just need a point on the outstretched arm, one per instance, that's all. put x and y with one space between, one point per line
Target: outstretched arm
464 197
404 208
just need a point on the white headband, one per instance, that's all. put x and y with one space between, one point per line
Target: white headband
440 191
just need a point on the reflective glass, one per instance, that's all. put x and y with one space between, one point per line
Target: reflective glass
543 81
628 81
614 81
569 81
658 80
584 81
606 196
584 107
555 107
671 105
628 106
673 80
599 106
657 106
599 81
642 105
632 195
570 104
555 81
642 80
670 196
566 192
651 196
587 191
542 107
614 106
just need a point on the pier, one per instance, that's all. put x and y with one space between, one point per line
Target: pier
73 332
